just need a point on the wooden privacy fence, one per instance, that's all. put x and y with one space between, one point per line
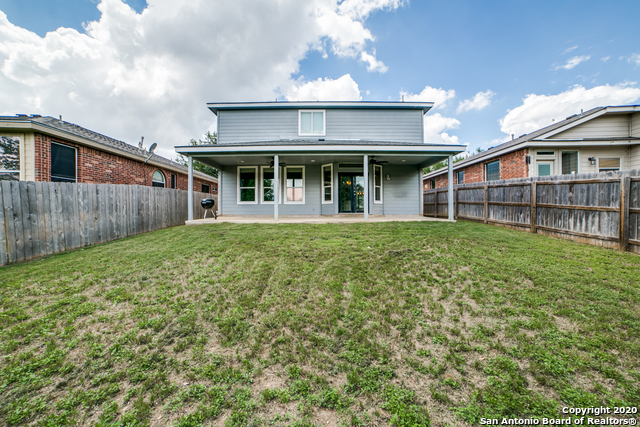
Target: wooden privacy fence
598 208
42 218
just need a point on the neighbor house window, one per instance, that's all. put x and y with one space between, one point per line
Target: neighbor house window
569 162
311 122
63 163
157 180
205 188
493 171
9 158
268 182
327 183
433 184
247 184
173 180
377 184
294 176
608 164
460 177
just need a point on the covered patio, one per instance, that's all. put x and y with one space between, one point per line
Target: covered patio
392 169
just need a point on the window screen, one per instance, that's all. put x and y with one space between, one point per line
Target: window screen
268 181
157 180
173 181
609 164
493 171
312 123
247 183
63 163
295 185
460 177
433 184
205 188
569 162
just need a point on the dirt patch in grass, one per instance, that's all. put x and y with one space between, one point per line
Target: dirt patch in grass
355 324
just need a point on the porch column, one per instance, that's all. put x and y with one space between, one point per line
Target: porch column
276 186
450 187
190 189
366 186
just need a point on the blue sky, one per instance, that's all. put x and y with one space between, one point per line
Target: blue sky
517 64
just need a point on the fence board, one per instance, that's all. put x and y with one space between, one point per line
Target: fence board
592 208
3 232
12 255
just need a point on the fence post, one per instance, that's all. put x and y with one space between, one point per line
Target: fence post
435 207
486 203
625 184
534 208
455 204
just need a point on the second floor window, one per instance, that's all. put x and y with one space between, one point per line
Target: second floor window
311 122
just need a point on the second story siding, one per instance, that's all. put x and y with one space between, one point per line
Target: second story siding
389 125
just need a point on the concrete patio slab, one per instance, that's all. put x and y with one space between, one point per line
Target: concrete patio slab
303 219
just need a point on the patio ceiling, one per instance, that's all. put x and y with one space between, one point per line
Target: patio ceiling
418 155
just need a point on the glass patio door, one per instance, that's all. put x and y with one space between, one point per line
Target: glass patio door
351 193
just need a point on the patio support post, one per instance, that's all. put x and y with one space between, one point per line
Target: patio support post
450 187
276 186
366 186
190 189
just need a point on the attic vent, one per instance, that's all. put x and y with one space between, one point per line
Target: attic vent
524 134
21 115
571 117
36 115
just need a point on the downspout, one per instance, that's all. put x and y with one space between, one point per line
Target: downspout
190 193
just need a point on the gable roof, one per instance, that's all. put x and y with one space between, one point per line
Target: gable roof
111 144
396 105
550 130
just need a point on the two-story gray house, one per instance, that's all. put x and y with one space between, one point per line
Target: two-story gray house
320 158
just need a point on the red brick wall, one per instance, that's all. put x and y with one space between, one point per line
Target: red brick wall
512 165
99 167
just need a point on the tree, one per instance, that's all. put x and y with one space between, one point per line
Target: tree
444 163
209 139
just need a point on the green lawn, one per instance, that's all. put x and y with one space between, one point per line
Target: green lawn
405 324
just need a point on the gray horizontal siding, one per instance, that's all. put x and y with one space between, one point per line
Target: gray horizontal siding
635 125
372 125
401 194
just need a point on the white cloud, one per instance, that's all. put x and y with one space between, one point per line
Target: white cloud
569 49
152 73
605 59
435 126
479 101
341 89
573 62
538 111
634 58
439 96
373 63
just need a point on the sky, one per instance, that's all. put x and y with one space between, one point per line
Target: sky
132 68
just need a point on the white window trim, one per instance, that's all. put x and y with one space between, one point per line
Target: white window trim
257 186
262 168
304 184
324 202
76 150
324 122
377 202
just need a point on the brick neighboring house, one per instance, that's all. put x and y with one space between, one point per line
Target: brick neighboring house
36 148
598 140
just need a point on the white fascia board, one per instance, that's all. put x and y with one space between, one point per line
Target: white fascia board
215 106
303 149
37 127
579 143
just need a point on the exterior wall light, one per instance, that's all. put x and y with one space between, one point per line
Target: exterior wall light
592 160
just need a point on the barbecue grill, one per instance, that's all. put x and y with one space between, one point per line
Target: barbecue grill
208 205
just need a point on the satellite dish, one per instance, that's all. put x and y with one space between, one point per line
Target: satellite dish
153 147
